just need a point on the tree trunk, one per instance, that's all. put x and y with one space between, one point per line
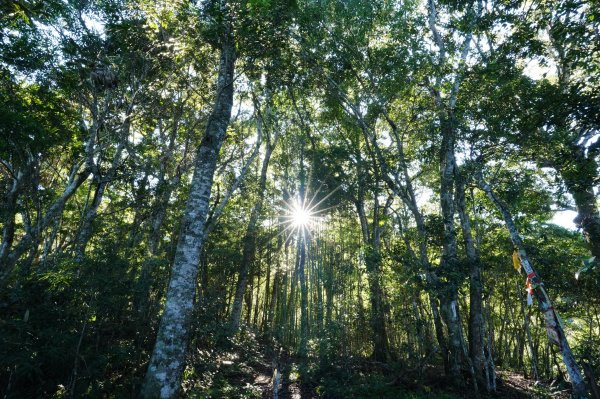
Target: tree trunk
554 326
373 263
163 377
303 348
249 245
476 322
448 291
532 349
579 176
8 211
85 231
380 340
32 236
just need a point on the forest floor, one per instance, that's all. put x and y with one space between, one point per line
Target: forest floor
248 371
510 385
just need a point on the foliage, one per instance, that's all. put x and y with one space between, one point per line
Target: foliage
365 105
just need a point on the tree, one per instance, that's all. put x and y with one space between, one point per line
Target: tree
163 378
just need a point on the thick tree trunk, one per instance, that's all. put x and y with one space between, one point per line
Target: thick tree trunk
449 312
554 326
580 177
163 377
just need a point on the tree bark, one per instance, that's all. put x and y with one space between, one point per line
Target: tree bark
85 231
476 322
554 327
303 347
372 242
32 236
249 243
580 176
448 293
163 377
8 210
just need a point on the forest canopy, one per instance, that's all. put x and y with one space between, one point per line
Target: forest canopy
299 198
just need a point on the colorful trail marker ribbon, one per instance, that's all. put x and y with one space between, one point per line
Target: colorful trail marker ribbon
516 260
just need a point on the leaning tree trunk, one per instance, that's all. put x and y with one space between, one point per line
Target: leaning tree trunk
79 173
85 231
32 236
167 363
554 327
8 210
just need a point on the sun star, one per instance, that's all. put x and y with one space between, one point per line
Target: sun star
301 216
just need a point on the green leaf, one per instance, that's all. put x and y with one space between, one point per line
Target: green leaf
588 264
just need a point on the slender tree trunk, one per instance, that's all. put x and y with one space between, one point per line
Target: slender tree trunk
165 187
373 263
329 290
249 244
31 237
266 296
532 349
380 339
273 302
554 326
85 231
257 297
476 322
303 348
448 291
8 232
489 351
8 209
163 377
318 280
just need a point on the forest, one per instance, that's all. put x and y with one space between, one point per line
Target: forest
299 199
